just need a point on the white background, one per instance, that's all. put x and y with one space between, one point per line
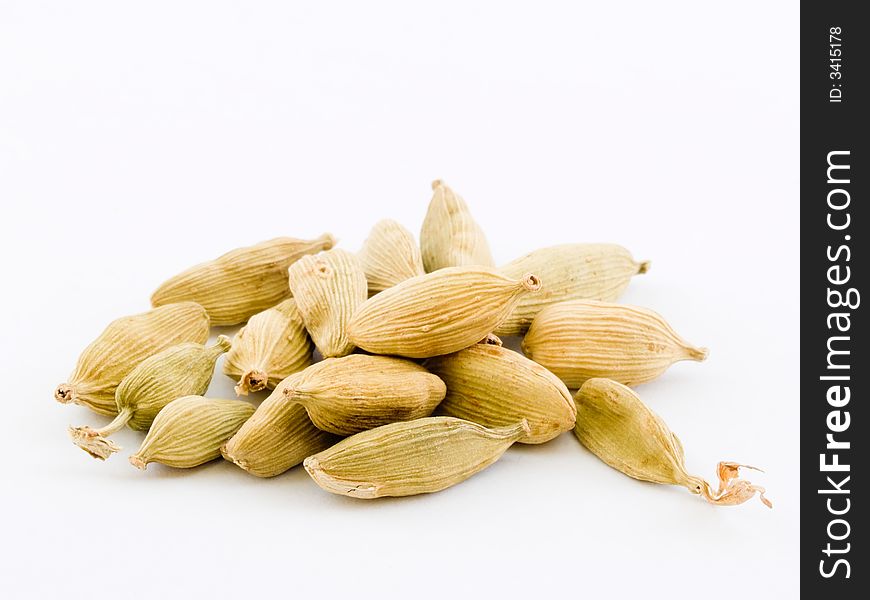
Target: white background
139 138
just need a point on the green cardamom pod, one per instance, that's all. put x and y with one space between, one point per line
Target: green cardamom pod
581 339
410 457
495 386
358 392
273 345
616 426
241 282
190 431
277 437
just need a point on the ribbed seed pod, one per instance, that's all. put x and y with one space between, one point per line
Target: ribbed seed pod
277 437
124 344
412 457
438 313
389 255
242 282
450 237
358 392
328 288
616 426
190 431
273 345
581 339
494 386
572 272
182 370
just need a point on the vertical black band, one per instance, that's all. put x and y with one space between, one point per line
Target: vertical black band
835 371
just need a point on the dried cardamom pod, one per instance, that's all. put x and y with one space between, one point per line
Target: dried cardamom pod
277 437
182 370
389 255
581 339
190 431
124 344
438 313
616 426
242 282
273 345
328 288
494 386
411 457
450 237
358 392
572 272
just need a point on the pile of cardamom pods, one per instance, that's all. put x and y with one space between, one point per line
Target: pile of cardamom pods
414 392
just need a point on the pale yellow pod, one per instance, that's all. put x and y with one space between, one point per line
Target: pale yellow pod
242 282
358 392
572 272
328 288
190 431
389 255
125 343
450 237
182 370
614 424
438 313
277 437
411 457
581 339
273 345
495 386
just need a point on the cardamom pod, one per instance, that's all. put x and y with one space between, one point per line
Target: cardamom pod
277 437
358 392
389 255
242 282
572 272
182 370
495 386
616 426
124 344
411 457
189 431
581 339
273 345
450 237
438 313
328 288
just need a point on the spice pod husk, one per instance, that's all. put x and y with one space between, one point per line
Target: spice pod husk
572 272
581 339
411 457
450 237
615 425
190 431
438 313
278 436
273 345
242 282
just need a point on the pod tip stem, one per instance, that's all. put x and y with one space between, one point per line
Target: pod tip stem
252 381
93 442
531 282
65 394
643 267
223 343
698 354
138 462
328 241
